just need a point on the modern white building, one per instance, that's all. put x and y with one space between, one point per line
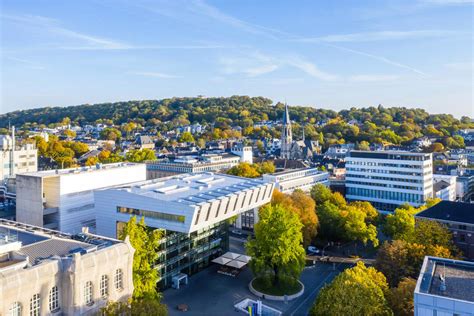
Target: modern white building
302 179
46 272
445 287
389 179
63 199
16 159
444 187
194 211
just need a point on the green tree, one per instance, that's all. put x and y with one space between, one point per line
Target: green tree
356 291
244 169
146 243
135 307
140 155
276 251
400 298
400 225
265 167
186 137
320 194
110 133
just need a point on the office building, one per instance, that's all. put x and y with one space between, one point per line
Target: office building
445 287
302 179
63 199
191 164
16 159
459 219
389 179
46 272
192 209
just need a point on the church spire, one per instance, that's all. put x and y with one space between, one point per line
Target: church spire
286 135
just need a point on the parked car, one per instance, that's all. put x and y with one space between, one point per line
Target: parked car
236 232
313 250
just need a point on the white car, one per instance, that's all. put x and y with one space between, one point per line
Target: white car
313 250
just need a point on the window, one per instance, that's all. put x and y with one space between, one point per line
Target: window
119 279
53 299
88 293
35 305
104 286
15 309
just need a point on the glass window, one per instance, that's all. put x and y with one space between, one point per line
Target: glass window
119 279
88 293
35 305
104 286
15 309
53 299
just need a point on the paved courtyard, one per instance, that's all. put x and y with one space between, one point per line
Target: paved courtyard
210 293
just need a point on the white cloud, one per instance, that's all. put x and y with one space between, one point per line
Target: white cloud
154 74
27 63
378 36
448 2
310 68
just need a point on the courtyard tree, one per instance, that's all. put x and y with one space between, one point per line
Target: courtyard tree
356 291
135 307
278 257
145 241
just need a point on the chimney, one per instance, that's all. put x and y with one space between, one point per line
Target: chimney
12 154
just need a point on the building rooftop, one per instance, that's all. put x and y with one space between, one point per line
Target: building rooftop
387 152
39 243
63 172
290 171
447 278
192 188
450 211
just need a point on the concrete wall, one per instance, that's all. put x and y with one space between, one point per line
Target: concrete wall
29 200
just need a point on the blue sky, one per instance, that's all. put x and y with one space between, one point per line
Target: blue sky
329 54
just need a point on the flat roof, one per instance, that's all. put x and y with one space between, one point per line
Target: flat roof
290 171
40 243
447 278
71 171
450 211
191 188
389 152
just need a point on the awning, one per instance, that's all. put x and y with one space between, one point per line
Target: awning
221 260
244 258
236 264
230 255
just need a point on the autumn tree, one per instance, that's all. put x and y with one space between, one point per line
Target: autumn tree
186 137
400 298
278 257
356 291
140 155
302 205
135 307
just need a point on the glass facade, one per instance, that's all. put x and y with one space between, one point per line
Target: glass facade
151 214
188 253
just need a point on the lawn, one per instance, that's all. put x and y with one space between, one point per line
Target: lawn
284 288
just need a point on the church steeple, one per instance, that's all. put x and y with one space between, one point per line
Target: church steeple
286 135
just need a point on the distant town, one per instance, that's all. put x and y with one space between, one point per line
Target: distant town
233 206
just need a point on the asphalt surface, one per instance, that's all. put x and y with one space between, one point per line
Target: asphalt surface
210 293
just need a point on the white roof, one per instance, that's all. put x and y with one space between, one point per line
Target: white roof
192 188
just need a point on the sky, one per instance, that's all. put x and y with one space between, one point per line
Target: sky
327 54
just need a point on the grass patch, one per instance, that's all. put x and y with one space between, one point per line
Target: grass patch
284 288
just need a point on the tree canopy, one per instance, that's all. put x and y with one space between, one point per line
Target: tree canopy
276 251
254 170
356 291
